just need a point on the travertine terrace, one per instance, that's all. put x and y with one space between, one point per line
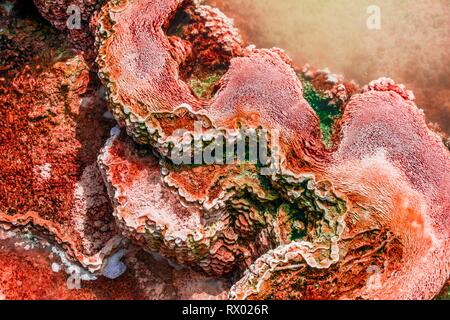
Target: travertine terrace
354 206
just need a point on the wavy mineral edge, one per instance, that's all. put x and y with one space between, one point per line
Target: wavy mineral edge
375 204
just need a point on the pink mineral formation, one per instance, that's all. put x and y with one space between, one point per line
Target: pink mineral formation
392 172
380 128
351 203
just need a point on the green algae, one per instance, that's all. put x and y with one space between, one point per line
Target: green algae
204 87
310 207
327 112
296 216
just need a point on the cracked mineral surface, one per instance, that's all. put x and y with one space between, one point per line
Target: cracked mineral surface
350 200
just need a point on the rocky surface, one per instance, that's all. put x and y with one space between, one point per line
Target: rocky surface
350 203
395 225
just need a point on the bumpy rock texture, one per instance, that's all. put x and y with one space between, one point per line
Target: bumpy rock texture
353 204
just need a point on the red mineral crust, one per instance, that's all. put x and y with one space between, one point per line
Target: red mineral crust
144 85
75 18
352 203
48 146
31 270
362 219
246 97
58 12
152 212
27 274
52 124
393 172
